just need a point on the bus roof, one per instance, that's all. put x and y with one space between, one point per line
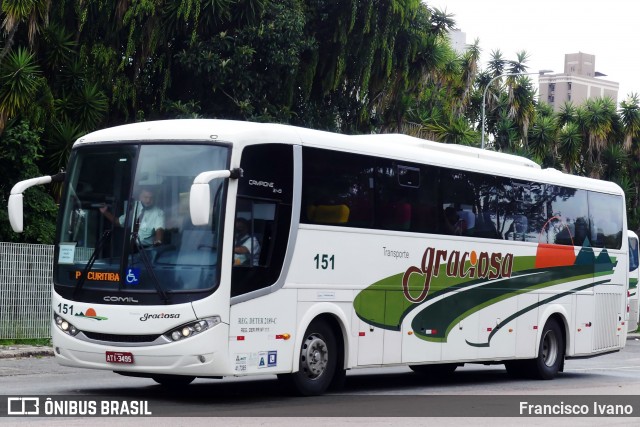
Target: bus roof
396 146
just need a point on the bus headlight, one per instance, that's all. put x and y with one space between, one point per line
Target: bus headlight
65 326
193 328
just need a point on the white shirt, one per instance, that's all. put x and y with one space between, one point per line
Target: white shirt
152 219
252 245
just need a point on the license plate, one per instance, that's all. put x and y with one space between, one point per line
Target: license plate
119 357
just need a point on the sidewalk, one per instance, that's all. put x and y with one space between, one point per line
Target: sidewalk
21 351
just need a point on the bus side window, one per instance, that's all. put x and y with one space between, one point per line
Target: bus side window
605 214
263 208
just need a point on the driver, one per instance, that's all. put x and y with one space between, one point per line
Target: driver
149 221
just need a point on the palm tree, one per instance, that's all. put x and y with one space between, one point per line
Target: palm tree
542 138
458 131
630 117
34 13
506 136
570 146
567 113
521 105
470 61
19 83
613 160
496 64
598 119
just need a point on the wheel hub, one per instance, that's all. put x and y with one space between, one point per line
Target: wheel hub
314 356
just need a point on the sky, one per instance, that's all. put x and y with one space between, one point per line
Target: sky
548 29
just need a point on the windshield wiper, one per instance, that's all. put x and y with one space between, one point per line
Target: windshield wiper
147 264
92 260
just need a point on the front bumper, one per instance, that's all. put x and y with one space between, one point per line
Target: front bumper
205 354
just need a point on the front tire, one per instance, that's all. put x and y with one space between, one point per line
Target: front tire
317 361
550 353
173 380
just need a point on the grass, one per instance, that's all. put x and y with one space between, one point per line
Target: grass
26 341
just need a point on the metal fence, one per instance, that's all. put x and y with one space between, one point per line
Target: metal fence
25 290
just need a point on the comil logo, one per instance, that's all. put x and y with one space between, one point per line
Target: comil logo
23 406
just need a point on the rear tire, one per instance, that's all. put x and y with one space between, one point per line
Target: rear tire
317 361
550 353
517 368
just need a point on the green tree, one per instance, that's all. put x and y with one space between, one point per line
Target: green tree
19 150
542 140
19 83
569 146
599 122
33 13
630 117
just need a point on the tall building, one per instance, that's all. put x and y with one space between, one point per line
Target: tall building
458 41
579 82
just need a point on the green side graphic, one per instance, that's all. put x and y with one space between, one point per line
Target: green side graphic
384 304
444 314
533 307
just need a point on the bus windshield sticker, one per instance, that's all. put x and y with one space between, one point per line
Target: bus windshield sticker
67 252
133 276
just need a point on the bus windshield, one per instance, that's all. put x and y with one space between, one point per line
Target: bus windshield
125 223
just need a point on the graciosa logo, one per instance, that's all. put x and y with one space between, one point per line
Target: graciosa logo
148 316
459 264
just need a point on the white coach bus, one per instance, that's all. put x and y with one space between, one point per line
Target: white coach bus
271 249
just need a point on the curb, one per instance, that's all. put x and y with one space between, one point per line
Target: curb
23 351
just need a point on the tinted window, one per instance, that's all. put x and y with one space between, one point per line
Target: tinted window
267 172
405 197
352 190
338 188
567 220
467 204
263 217
527 214
633 254
605 212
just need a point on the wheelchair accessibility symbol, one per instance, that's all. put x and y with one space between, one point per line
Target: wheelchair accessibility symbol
133 276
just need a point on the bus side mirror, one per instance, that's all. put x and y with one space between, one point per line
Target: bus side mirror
15 204
200 196
16 216
199 203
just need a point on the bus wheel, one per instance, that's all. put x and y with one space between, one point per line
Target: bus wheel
437 371
550 353
173 380
516 368
317 361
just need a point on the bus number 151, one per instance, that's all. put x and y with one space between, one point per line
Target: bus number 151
324 261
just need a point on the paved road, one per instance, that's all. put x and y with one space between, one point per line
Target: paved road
386 392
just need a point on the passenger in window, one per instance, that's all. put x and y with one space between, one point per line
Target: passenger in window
149 219
246 250
452 223
581 232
